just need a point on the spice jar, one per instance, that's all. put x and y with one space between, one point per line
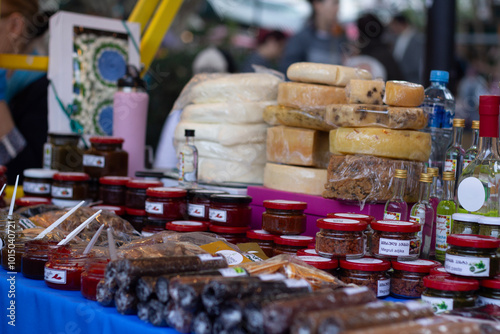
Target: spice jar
29 201
38 182
489 226
93 272
105 157
64 269
284 217
290 244
395 240
61 153
445 292
153 225
136 218
186 226
489 292
472 255
112 189
117 210
230 210
264 239
318 262
68 189
407 280
369 272
464 223
199 203
36 254
355 216
341 237
234 235
166 203
135 196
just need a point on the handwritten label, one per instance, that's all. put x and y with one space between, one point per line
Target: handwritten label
394 247
384 287
467 265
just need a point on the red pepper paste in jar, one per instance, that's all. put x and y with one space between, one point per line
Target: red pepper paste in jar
290 244
69 188
284 217
29 201
91 275
341 237
234 235
38 182
137 218
36 255
199 203
318 262
135 196
153 225
186 226
264 239
230 210
369 272
117 210
64 269
112 190
407 280
166 203
395 240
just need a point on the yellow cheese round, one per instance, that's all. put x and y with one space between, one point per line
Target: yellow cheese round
403 94
302 180
326 74
309 96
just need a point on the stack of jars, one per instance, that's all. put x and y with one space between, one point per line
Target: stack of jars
230 216
135 201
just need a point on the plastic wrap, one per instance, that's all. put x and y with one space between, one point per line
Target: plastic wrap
365 91
308 96
334 75
309 119
231 113
403 94
368 115
244 153
33 210
384 143
303 180
219 171
369 179
303 147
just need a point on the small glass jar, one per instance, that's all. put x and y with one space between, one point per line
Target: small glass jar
290 244
318 262
92 274
369 272
30 201
153 225
473 256
234 235
186 226
117 210
105 157
135 196
395 240
68 189
464 223
440 270
407 279
489 226
12 253
38 182
64 269
36 254
199 203
137 218
284 217
445 292
230 210
264 239
166 203
307 252
112 190
341 238
489 292
61 153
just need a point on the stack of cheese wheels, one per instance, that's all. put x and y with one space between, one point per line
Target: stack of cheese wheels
373 140
298 144
230 133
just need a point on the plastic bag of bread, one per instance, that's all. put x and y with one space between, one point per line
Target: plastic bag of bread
309 119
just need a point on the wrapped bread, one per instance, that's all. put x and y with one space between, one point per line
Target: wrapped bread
308 96
333 75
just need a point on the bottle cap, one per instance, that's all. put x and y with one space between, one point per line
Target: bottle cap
475 125
284 205
189 133
434 171
440 76
458 123
426 178
448 176
401 174
488 114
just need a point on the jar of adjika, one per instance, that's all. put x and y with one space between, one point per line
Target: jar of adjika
137 218
445 292
230 210
284 217
36 255
153 225
489 226
92 274
264 239
61 153
117 210
355 216
199 203
464 223
369 272
234 235
489 292
105 157
112 190
64 269
318 262
68 189
440 270
341 237
186 226
38 182
395 240
472 256
135 196
30 201
290 244
407 280
166 203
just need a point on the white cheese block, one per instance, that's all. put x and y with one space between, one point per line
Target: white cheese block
237 113
308 96
218 171
334 75
302 180
224 134
247 153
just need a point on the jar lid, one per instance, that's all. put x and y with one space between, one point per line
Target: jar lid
438 271
228 229
27 201
166 192
135 212
341 224
307 252
489 221
143 184
491 283
320 262
473 240
106 140
417 266
260 235
450 283
281 204
311 245
186 226
118 210
39 173
395 226
71 176
466 217
3 169
366 264
114 180
293 240
203 193
357 216
231 199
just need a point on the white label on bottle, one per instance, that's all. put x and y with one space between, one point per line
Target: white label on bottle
94 161
467 265
416 219
384 287
487 301
196 210
443 226
232 257
217 215
47 156
272 277
297 283
392 215
471 194
439 305
394 247
55 276
154 208
233 272
466 163
62 192
450 165
36 188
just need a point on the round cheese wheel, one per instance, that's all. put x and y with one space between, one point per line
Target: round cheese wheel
403 94
309 96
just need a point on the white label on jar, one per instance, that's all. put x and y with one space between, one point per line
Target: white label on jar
94 161
55 276
384 287
36 188
47 156
443 225
232 257
467 265
196 210
233 272
154 208
217 215
439 305
62 192
392 215
272 277
487 301
394 247
297 283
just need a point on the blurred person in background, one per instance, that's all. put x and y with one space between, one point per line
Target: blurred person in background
270 46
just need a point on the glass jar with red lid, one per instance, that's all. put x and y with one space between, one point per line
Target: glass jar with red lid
395 240
355 216
407 279
29 201
38 182
105 157
36 254
166 203
318 262
136 217
117 210
230 210
199 203
186 226
264 239
64 269
369 272
489 293
234 235
112 189
290 244
153 225
341 237
135 196
93 272
445 292
284 217
70 188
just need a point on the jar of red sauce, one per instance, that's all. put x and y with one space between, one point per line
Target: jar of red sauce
105 157
284 217
38 182
136 217
153 225
199 203
64 269
318 262
264 239
29 201
230 210
135 196
117 210
93 272
112 189
290 244
70 188
166 203
234 235
36 255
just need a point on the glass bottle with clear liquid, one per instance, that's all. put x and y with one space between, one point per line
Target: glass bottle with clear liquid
471 152
188 162
445 210
396 207
423 214
454 156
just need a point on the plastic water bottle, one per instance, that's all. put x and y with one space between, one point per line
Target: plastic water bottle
439 103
